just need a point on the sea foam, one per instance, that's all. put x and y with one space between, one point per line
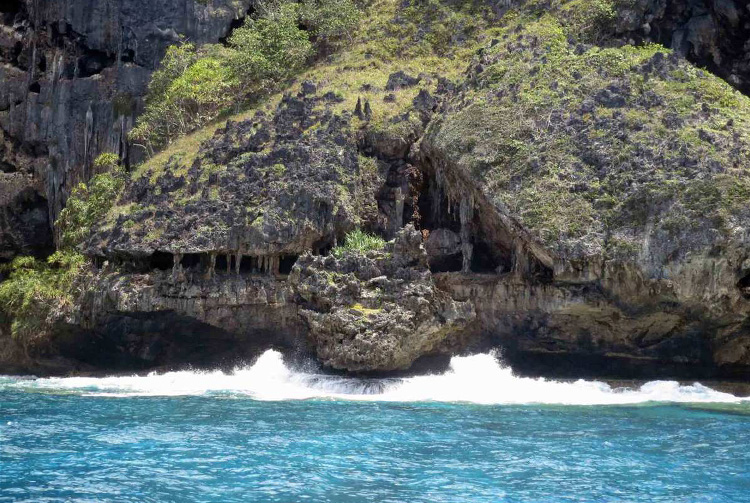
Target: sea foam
480 379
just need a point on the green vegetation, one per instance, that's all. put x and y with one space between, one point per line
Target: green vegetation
89 203
589 146
194 86
359 241
37 291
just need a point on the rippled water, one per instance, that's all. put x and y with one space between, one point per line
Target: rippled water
271 434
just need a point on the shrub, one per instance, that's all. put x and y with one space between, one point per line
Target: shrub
88 203
269 49
331 22
36 291
188 90
193 86
359 241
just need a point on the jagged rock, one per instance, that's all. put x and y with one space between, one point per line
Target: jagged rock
590 200
711 33
24 217
74 73
268 186
400 80
377 312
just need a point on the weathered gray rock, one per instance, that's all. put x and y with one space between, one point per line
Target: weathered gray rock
380 311
271 186
73 75
711 33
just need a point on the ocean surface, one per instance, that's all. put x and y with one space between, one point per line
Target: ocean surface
271 433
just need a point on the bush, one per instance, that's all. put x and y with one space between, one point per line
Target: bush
36 291
269 49
193 86
188 90
331 22
88 203
359 241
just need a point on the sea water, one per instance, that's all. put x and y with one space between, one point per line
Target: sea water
271 433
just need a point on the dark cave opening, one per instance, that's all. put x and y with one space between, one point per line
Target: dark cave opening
9 9
286 263
127 56
434 208
246 265
449 263
6 167
11 6
15 56
35 88
744 285
42 64
191 261
236 23
161 261
93 62
483 260
322 247
222 261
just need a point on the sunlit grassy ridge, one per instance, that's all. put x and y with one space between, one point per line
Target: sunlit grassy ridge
588 145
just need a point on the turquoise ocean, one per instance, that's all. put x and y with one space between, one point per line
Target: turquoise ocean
271 432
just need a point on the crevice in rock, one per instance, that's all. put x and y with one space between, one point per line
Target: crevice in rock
160 261
236 23
710 34
207 264
9 9
287 263
464 233
744 285
93 62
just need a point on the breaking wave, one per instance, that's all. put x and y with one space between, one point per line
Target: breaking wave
480 379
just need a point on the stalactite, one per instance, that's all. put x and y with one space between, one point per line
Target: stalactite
211 265
399 217
229 263
177 265
466 214
237 263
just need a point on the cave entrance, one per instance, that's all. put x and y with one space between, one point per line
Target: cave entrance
236 23
286 263
246 264
223 262
191 261
465 233
93 62
449 263
744 286
485 259
161 261
9 9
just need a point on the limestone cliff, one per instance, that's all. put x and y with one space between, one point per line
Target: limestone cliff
549 185
72 79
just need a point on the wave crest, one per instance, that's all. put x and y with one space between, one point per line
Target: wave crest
477 379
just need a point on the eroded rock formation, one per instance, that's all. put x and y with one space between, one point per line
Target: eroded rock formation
583 207
380 311
72 78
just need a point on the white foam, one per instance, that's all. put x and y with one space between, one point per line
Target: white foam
477 379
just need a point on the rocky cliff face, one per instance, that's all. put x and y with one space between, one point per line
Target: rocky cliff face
580 203
714 34
72 79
